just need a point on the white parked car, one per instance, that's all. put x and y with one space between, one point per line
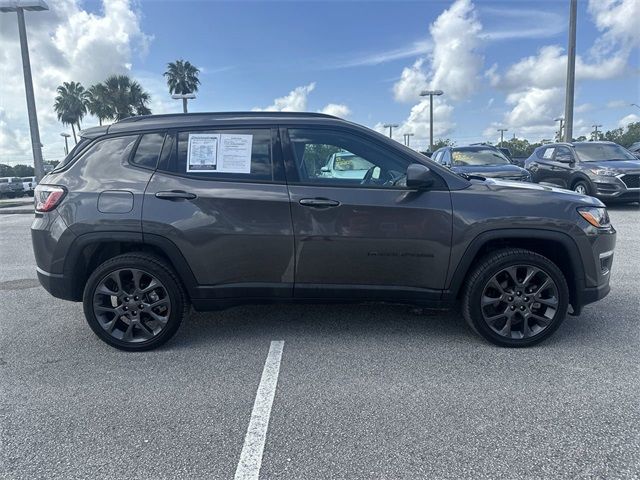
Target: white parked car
29 184
346 165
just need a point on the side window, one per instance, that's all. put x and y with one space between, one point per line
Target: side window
148 150
437 157
445 159
224 154
108 152
563 152
340 158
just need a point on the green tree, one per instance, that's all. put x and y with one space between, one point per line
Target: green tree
70 105
97 102
125 97
624 136
182 77
6 170
443 142
23 171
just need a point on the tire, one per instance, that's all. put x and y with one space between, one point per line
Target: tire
520 312
582 186
119 290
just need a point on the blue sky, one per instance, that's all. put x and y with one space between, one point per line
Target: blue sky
361 57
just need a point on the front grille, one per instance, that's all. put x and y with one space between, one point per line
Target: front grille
631 180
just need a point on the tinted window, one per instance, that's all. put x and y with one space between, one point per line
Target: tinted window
340 158
242 154
74 151
110 151
148 150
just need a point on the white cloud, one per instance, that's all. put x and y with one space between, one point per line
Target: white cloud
535 84
631 118
66 43
294 101
369 59
337 110
585 107
617 104
412 81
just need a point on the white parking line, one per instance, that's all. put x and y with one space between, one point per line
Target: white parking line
251 456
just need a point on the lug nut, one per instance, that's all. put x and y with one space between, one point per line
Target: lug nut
126 299
526 299
521 308
511 299
141 306
125 308
513 307
135 298
135 313
518 293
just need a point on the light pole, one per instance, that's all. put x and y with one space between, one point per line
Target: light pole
407 137
66 142
571 72
390 126
502 130
184 97
595 131
431 93
561 120
635 105
19 6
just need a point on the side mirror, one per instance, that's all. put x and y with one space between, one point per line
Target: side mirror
564 158
324 169
419 176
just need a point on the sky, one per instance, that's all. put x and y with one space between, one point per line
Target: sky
500 64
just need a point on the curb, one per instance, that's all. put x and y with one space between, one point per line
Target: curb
14 211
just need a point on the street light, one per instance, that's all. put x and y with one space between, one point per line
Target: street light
407 137
502 130
431 93
19 6
635 105
66 142
390 126
571 72
184 97
561 120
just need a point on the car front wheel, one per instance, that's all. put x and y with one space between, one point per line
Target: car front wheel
515 298
582 187
134 302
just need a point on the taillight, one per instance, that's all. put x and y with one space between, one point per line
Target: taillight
48 197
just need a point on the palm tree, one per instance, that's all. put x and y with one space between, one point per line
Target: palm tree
125 97
70 105
98 103
182 77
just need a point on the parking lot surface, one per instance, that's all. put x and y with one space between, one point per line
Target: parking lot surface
366 391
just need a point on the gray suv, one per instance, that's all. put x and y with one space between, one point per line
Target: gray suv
153 215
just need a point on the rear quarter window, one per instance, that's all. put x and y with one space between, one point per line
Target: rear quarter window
107 153
246 154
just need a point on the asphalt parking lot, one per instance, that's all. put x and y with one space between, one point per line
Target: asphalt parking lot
363 391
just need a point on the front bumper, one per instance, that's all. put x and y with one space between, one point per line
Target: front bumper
622 187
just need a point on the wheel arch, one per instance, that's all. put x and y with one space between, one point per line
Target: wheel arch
90 250
558 247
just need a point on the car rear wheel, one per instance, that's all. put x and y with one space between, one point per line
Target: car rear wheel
582 187
515 298
134 302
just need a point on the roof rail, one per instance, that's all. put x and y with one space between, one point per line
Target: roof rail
260 113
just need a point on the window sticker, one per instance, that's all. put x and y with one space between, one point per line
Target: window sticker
202 152
234 155
548 153
225 153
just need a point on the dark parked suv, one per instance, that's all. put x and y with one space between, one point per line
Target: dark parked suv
154 214
480 159
601 169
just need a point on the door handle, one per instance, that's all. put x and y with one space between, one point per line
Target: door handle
319 202
175 195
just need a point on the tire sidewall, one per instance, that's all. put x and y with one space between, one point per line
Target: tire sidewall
476 292
586 184
171 285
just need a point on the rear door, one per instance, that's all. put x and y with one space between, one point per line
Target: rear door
363 237
220 196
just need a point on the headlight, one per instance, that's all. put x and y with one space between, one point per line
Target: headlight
605 172
596 216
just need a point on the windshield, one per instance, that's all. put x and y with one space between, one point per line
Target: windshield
599 152
343 163
478 156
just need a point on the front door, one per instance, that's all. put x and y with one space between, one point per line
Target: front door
358 230
220 196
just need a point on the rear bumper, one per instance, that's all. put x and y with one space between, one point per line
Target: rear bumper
57 284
